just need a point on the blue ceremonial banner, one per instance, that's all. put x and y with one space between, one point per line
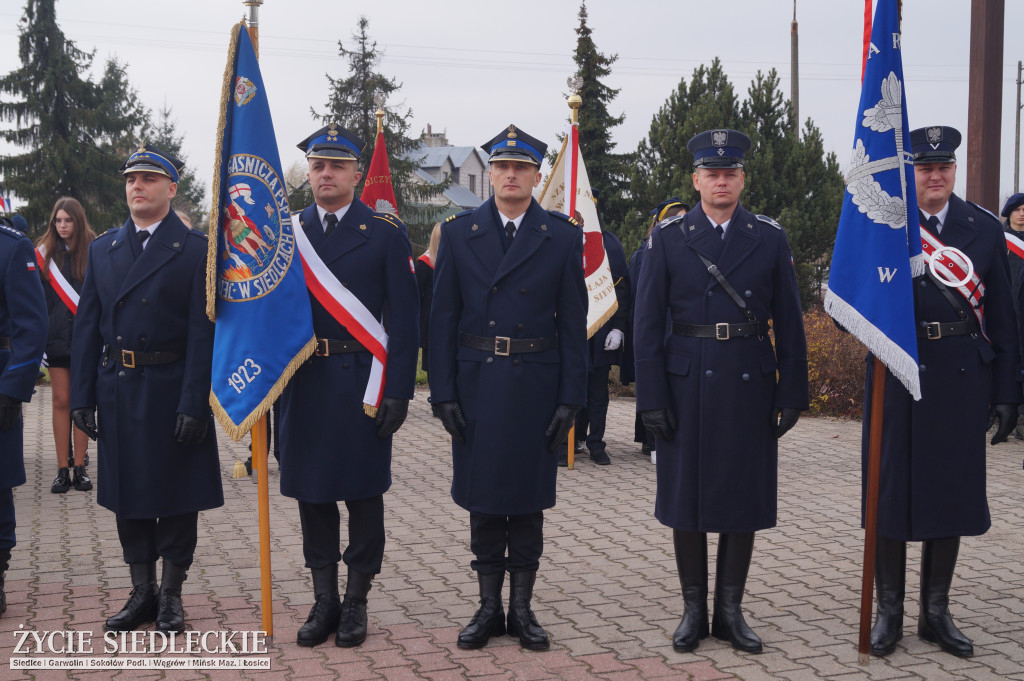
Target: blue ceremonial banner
878 244
255 289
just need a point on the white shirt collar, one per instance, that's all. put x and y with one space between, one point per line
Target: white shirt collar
941 215
151 229
340 213
505 220
724 225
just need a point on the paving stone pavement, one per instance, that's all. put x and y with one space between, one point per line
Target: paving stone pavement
607 591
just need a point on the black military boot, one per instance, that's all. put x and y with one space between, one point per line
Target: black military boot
5 561
489 620
692 565
727 623
352 623
890 582
170 614
323 617
938 560
521 620
141 606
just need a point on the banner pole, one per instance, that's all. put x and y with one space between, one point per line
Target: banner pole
574 102
871 509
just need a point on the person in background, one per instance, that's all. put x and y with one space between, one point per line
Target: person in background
425 282
64 247
1013 211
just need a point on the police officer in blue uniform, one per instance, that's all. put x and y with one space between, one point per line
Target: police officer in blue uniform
604 349
331 449
141 357
706 381
932 485
24 323
508 372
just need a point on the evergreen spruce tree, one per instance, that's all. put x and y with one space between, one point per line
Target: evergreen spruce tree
191 195
77 132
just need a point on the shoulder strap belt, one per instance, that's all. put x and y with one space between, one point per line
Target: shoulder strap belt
724 283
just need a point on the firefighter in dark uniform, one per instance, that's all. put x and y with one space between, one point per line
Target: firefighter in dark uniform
141 357
508 372
932 485
24 324
603 350
706 381
332 449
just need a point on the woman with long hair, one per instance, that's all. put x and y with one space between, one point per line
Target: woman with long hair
64 247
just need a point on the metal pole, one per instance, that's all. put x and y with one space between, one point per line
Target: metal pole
795 70
1016 142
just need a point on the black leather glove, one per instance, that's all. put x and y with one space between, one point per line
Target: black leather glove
561 422
660 422
190 430
452 419
1007 415
785 419
10 410
84 419
391 415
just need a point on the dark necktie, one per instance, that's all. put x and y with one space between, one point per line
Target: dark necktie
332 222
510 231
933 224
721 232
142 235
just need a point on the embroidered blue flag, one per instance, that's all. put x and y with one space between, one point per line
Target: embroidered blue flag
256 292
878 244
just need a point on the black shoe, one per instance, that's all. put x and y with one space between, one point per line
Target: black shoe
692 566
62 483
141 606
5 559
81 479
938 561
170 616
351 630
326 610
600 457
645 450
581 446
521 620
563 458
727 622
489 619
890 581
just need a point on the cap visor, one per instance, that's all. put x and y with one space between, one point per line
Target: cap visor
146 168
514 156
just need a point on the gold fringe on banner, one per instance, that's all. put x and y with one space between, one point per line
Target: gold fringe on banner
547 180
600 322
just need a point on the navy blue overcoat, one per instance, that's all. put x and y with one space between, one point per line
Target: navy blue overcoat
932 481
329 446
627 372
153 301
719 473
535 289
24 320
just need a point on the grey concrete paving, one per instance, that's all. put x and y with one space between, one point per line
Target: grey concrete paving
607 592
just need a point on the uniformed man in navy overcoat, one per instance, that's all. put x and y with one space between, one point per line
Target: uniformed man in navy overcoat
24 323
604 349
331 449
932 484
508 372
706 381
141 357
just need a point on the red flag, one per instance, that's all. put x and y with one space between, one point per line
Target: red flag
378 193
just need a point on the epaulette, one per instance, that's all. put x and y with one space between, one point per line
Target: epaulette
985 210
564 217
765 218
108 232
11 232
388 218
197 233
458 215
671 221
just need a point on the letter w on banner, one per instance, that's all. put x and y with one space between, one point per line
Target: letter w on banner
568 182
878 244
255 290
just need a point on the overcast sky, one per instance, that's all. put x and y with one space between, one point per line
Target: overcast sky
472 67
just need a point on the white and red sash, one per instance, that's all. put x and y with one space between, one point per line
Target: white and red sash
349 312
973 291
1014 245
65 291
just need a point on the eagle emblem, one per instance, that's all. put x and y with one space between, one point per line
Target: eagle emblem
934 135
719 138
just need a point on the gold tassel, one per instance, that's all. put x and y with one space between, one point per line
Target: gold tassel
370 410
240 470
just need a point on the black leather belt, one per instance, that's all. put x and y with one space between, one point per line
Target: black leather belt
130 359
325 347
503 346
721 331
937 330
5 343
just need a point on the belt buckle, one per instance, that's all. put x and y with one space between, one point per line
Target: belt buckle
934 330
323 348
128 359
722 331
498 342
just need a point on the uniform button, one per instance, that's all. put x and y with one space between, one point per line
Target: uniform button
494 289
746 377
145 302
490 360
523 291
963 371
519 327
344 366
120 303
515 362
142 339
119 339
923 283
490 324
709 373
120 373
747 293
709 293
923 367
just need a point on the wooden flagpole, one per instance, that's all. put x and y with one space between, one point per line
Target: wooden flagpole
574 101
259 431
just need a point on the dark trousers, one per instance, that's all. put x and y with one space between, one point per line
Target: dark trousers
7 524
173 538
595 415
321 534
491 535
